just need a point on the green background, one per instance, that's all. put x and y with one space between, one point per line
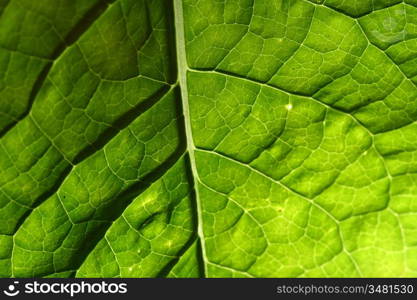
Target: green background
233 138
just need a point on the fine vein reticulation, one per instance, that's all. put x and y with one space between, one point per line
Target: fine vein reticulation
208 138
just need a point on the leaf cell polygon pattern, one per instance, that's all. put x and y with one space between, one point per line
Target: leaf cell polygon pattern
197 138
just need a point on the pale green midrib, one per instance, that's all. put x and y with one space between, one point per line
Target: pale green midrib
182 79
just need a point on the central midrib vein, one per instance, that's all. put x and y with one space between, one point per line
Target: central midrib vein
182 79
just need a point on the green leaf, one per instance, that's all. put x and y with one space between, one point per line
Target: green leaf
208 138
